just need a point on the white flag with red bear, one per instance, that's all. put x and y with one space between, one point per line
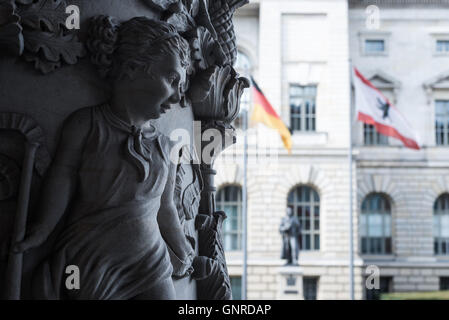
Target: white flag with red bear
373 108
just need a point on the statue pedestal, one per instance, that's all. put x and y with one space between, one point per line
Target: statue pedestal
290 284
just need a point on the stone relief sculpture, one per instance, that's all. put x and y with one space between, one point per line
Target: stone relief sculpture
138 223
187 195
112 231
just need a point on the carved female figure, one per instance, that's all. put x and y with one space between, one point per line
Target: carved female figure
113 177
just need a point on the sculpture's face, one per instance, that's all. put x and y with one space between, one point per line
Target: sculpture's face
154 93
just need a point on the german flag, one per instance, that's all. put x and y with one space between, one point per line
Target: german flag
264 113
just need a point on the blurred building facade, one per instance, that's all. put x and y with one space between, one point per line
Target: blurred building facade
300 52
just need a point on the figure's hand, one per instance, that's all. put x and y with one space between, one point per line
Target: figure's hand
36 237
182 267
202 267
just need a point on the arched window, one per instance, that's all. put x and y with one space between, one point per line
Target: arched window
229 200
441 225
305 203
375 225
243 67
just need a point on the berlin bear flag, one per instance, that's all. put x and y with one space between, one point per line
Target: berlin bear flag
374 108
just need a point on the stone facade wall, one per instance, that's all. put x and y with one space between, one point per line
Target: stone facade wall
412 180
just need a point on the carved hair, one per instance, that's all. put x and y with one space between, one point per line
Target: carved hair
118 50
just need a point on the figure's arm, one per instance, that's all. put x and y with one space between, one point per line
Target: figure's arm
60 181
181 251
282 227
285 225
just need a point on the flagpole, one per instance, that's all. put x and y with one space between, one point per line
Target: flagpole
351 227
245 207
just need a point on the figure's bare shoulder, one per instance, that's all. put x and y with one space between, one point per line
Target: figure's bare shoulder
77 126
74 132
80 120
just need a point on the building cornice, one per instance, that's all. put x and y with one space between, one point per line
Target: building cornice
399 3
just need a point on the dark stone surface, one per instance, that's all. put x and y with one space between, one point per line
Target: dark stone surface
48 73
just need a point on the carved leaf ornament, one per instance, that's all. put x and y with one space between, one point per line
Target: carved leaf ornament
48 50
36 30
161 5
43 14
222 101
206 51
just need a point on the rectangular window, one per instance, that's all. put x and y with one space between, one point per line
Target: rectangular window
375 225
303 107
443 46
385 286
310 287
374 46
373 138
229 200
442 122
232 229
236 287
444 283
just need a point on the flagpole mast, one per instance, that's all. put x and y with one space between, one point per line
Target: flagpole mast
245 207
351 227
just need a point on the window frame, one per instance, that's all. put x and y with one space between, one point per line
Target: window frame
444 283
374 36
377 138
445 122
311 203
306 119
440 242
236 278
442 52
436 37
314 281
370 243
221 204
371 52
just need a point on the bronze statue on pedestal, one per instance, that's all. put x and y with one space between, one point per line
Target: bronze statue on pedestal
290 230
